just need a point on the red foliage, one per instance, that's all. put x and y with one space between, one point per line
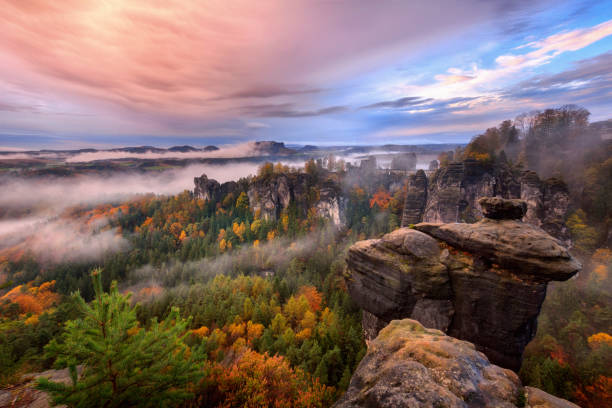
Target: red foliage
381 198
596 395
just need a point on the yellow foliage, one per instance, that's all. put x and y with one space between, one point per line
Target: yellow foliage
133 331
222 244
32 320
239 230
270 236
304 334
256 243
254 330
201 332
598 339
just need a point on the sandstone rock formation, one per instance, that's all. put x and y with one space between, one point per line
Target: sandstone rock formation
416 199
483 282
205 188
411 366
25 394
452 195
269 196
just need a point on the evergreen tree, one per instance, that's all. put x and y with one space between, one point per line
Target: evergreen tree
122 364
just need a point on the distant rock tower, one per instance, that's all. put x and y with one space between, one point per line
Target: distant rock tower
416 199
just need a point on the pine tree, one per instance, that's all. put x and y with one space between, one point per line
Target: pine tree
122 364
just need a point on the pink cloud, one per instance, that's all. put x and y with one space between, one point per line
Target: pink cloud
146 65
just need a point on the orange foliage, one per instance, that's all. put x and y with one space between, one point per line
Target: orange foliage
33 299
149 291
201 332
598 339
258 380
312 295
602 256
601 272
381 198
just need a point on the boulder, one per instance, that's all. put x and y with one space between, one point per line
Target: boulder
411 366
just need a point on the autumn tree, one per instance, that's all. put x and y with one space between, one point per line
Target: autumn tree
122 364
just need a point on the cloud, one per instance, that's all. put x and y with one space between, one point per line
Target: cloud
31 209
286 110
272 256
546 49
257 125
49 196
271 91
59 240
139 67
588 78
399 103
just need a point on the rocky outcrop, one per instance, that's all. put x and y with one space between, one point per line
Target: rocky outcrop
269 196
25 393
416 199
272 148
452 195
210 189
205 188
411 366
454 190
547 203
330 203
483 282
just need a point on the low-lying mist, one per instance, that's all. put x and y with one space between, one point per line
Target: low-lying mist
31 208
232 151
266 259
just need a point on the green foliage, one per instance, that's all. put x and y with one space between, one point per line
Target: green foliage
122 364
583 235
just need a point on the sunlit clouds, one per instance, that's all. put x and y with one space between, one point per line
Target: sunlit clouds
234 70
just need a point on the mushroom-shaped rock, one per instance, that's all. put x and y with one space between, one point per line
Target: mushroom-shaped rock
482 282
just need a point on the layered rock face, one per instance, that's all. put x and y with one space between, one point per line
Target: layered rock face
269 196
210 189
411 366
452 195
547 204
416 199
483 282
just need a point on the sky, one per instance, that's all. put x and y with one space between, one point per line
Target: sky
91 73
